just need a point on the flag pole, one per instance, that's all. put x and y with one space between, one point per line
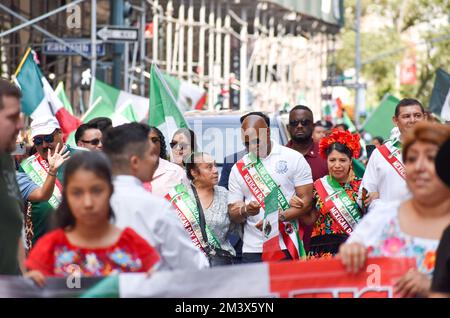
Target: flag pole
22 61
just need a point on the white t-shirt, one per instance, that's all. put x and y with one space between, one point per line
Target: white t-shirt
289 169
381 177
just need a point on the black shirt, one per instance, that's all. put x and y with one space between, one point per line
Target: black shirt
441 276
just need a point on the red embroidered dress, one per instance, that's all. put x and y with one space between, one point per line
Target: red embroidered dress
54 255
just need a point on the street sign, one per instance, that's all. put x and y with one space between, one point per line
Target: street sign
52 47
112 33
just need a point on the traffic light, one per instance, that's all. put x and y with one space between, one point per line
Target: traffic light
127 11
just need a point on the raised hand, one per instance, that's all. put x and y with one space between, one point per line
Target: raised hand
56 159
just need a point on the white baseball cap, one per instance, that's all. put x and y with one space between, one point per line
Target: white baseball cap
44 125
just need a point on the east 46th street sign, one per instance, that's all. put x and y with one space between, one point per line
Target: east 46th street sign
52 47
111 33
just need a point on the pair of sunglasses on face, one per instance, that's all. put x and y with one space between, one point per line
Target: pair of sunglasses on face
175 144
303 122
93 142
40 140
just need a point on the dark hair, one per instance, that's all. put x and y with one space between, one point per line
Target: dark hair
191 163
82 129
339 148
101 123
8 89
188 133
380 139
345 126
323 123
260 114
92 161
408 102
163 151
124 141
301 107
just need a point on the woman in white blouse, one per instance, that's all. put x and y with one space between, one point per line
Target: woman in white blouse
408 228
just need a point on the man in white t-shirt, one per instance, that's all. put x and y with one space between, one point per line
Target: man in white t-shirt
288 169
384 178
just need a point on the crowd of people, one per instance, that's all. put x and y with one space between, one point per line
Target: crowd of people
119 202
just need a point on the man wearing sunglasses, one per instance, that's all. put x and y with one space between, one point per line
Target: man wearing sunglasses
301 127
89 136
48 139
268 167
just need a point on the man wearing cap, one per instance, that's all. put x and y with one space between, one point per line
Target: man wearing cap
48 139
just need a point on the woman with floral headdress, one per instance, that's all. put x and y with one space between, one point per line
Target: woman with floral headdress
336 212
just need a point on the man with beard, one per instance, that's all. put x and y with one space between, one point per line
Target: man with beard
301 127
48 139
11 123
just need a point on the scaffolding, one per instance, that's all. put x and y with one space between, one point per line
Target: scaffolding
247 54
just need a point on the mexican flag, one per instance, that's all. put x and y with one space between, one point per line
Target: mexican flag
39 98
187 95
124 114
440 95
271 246
379 123
349 122
164 113
60 92
106 100
322 278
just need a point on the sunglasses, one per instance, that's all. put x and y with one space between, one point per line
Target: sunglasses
182 146
93 142
303 122
40 140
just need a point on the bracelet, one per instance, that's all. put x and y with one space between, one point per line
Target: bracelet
52 174
240 211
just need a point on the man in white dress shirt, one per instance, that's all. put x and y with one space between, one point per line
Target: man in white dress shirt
384 178
134 161
288 169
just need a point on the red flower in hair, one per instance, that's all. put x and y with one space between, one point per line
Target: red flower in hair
342 137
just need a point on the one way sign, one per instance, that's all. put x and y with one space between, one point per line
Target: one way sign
112 33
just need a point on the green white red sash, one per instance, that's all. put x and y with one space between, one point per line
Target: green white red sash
37 169
339 205
189 216
393 157
261 184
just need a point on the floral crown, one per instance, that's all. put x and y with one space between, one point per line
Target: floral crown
342 137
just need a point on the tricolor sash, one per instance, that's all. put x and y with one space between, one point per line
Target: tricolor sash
393 157
260 183
189 216
341 207
37 169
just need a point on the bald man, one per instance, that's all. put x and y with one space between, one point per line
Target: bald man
268 167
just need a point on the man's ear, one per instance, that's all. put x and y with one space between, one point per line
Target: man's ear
395 120
134 162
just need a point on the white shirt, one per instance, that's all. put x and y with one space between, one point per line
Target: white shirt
155 220
382 232
166 177
289 169
381 177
